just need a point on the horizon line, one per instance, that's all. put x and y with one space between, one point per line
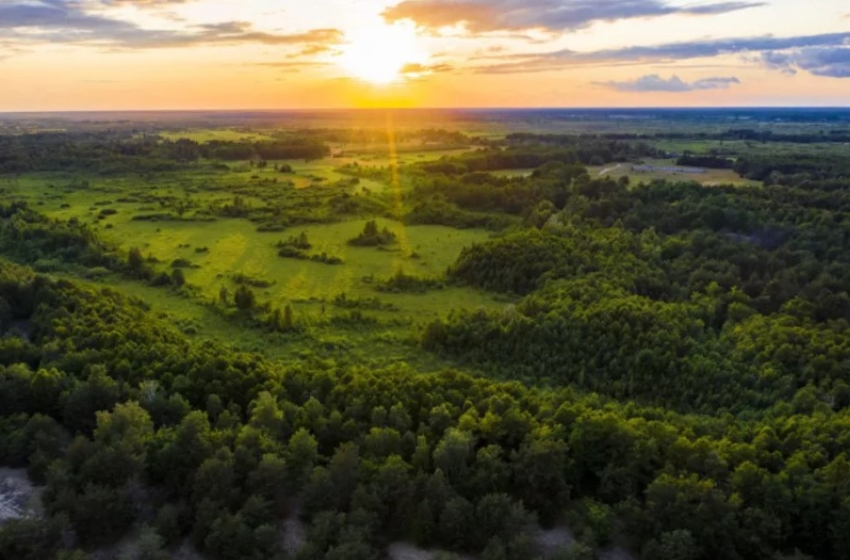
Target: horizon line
471 109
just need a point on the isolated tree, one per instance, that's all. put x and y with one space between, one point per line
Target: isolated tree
288 322
135 260
244 298
178 278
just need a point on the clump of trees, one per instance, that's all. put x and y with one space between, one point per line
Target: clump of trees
371 236
404 282
297 247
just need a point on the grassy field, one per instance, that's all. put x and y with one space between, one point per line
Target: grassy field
236 247
207 135
217 251
711 177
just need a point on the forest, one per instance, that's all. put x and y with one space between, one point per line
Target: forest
460 345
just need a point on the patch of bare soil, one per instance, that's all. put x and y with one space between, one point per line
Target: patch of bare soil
552 541
18 497
293 534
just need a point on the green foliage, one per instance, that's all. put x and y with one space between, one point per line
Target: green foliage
403 282
244 298
372 237
296 247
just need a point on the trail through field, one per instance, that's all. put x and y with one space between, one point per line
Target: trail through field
610 169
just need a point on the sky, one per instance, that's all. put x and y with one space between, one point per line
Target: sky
63 55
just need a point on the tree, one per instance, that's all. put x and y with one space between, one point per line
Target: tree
101 514
99 392
167 524
452 455
135 260
344 471
244 298
301 456
269 479
178 278
674 545
456 523
149 546
288 323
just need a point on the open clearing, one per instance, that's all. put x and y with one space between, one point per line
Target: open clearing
711 177
18 497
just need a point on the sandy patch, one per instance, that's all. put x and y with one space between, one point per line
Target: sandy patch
18 497
552 541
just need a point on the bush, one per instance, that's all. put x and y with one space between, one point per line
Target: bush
372 237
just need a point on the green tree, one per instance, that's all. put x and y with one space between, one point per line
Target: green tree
244 298
302 452
135 260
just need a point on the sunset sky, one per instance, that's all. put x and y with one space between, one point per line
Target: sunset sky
251 54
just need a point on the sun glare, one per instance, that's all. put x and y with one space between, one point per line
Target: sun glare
379 54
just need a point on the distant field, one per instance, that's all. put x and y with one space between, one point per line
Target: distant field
514 172
207 135
711 177
740 147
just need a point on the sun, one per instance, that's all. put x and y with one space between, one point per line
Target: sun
379 54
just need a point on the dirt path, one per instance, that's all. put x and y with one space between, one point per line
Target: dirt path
610 169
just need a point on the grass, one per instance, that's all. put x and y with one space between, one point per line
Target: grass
207 135
234 246
712 177
510 173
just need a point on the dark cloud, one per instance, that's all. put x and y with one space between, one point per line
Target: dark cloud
830 62
655 83
671 52
551 15
55 14
64 21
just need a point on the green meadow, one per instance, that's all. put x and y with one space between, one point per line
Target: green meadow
216 253
711 177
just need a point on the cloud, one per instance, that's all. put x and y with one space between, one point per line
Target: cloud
830 62
65 21
294 65
421 69
144 3
551 15
668 52
655 83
